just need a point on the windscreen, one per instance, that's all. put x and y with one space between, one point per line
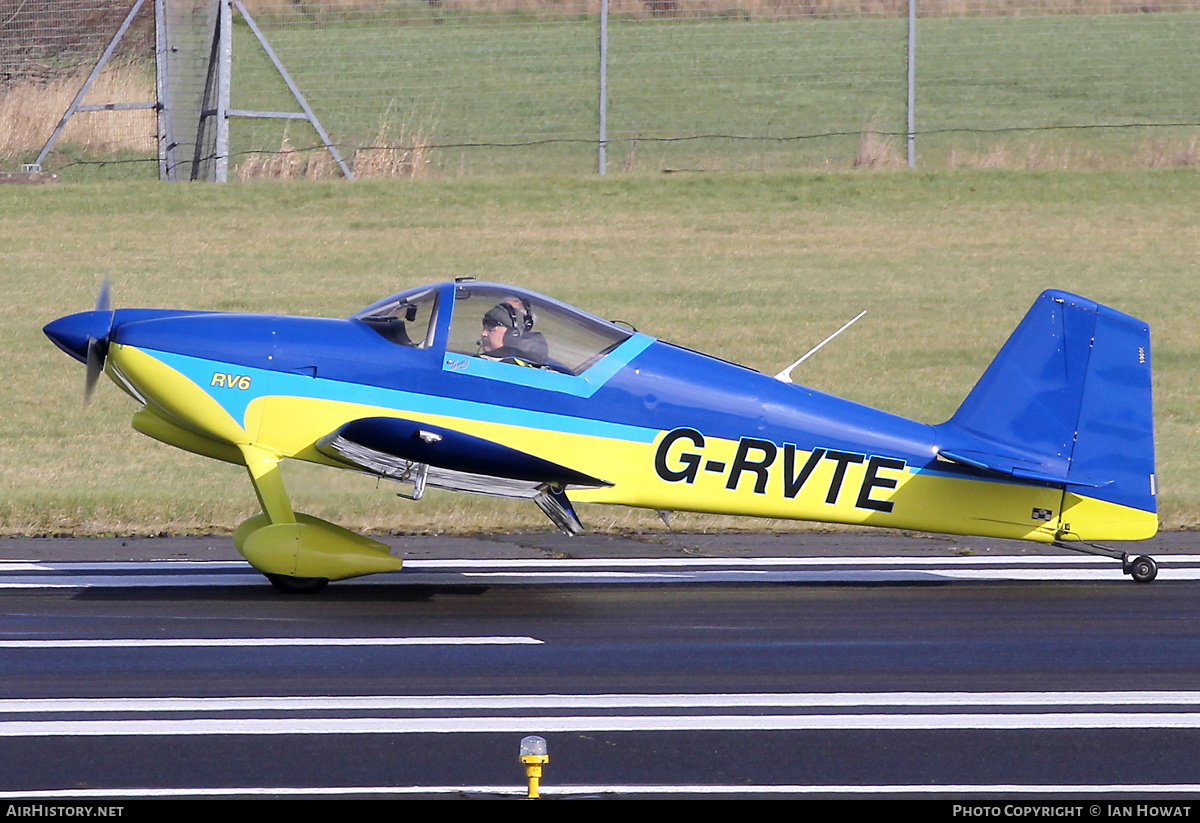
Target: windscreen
515 325
405 318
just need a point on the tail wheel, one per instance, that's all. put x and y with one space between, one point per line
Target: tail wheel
1143 569
297 585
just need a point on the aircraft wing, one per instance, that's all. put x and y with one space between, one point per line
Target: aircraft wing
426 455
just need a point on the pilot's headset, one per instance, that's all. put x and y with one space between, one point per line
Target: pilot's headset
517 322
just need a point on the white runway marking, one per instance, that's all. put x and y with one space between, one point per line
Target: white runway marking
535 713
224 642
558 702
521 725
490 572
610 713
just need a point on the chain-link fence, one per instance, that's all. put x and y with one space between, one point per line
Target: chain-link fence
47 50
448 87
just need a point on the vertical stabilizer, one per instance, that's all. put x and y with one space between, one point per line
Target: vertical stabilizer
1067 401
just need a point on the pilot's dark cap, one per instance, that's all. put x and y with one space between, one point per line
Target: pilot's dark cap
501 315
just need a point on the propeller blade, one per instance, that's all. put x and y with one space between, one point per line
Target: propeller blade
96 352
104 300
97 348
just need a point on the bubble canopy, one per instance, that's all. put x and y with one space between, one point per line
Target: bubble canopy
538 331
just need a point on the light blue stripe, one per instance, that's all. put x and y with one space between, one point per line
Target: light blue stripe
203 373
584 385
265 383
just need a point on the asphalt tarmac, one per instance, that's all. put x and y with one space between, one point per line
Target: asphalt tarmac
838 682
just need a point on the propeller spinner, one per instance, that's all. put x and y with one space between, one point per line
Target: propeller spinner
85 336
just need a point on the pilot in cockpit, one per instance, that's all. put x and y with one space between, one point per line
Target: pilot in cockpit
508 334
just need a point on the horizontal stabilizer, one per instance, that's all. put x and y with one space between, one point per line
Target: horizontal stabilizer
1008 465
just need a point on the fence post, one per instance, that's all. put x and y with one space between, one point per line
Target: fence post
166 134
224 81
603 136
912 84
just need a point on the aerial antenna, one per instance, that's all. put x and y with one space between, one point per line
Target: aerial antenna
785 376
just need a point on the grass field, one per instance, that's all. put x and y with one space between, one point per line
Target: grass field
755 269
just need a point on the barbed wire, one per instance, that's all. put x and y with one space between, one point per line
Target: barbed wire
397 147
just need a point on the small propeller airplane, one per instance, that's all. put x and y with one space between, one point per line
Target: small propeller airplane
492 389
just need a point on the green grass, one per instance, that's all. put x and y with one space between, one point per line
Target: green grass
753 268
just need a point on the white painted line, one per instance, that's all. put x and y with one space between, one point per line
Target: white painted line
25 575
556 702
598 723
130 581
750 576
7 566
1061 574
734 562
224 642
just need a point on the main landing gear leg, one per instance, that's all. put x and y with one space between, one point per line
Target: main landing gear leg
277 510
1142 568
299 553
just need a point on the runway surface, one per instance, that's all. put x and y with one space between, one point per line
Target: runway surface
666 665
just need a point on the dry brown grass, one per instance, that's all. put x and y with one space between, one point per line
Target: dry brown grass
405 155
29 112
401 156
288 164
1152 153
1159 153
877 152
994 157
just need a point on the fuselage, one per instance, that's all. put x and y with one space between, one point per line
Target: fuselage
667 428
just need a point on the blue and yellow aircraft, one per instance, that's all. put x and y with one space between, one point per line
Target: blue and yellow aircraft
487 388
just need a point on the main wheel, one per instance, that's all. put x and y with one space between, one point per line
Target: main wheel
1143 569
297 585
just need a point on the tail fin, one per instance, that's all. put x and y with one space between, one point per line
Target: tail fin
1067 401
